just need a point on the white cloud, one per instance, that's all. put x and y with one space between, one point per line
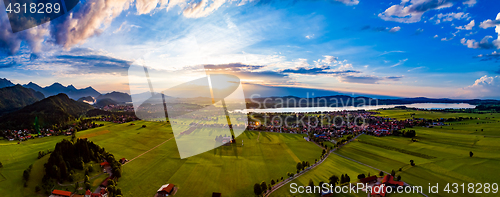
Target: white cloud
468 26
436 36
446 39
484 87
395 29
450 17
411 11
483 44
399 63
491 23
310 36
470 3
349 2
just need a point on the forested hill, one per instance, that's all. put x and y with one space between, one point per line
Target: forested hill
56 109
16 97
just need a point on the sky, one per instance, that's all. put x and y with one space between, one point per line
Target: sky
401 48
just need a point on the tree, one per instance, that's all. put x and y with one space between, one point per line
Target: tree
263 186
471 154
299 166
333 180
257 189
381 173
272 182
361 176
1 165
399 178
412 163
393 173
281 178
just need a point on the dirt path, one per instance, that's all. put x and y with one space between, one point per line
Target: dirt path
148 150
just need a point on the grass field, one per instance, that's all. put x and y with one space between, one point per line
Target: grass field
446 149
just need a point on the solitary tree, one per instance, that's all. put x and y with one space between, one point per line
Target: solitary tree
333 180
393 173
256 189
399 178
412 163
299 166
471 154
311 183
272 182
381 173
361 176
1 165
263 186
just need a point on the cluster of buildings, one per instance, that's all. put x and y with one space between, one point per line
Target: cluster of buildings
332 124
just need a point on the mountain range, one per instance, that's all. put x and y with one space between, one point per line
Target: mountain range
53 110
69 90
16 97
88 95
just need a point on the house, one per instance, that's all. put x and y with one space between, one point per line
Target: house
389 181
60 193
102 193
165 190
216 194
370 179
103 164
378 190
123 160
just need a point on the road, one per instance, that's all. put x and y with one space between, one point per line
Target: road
332 151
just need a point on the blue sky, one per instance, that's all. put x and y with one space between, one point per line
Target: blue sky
409 48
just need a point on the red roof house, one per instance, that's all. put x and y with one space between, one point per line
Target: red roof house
61 193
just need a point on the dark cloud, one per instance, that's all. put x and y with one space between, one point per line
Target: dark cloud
316 71
94 64
489 57
367 79
231 67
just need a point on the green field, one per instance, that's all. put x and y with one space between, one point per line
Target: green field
263 158
443 154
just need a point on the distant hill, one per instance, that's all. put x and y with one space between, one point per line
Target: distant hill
105 102
87 99
117 97
16 97
70 90
52 110
5 83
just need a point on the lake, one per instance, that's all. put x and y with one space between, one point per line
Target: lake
366 107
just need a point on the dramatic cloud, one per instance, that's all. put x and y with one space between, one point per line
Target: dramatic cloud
231 67
366 79
411 11
93 64
467 27
92 17
11 42
485 87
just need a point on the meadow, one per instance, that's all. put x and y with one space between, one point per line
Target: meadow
443 154
231 170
